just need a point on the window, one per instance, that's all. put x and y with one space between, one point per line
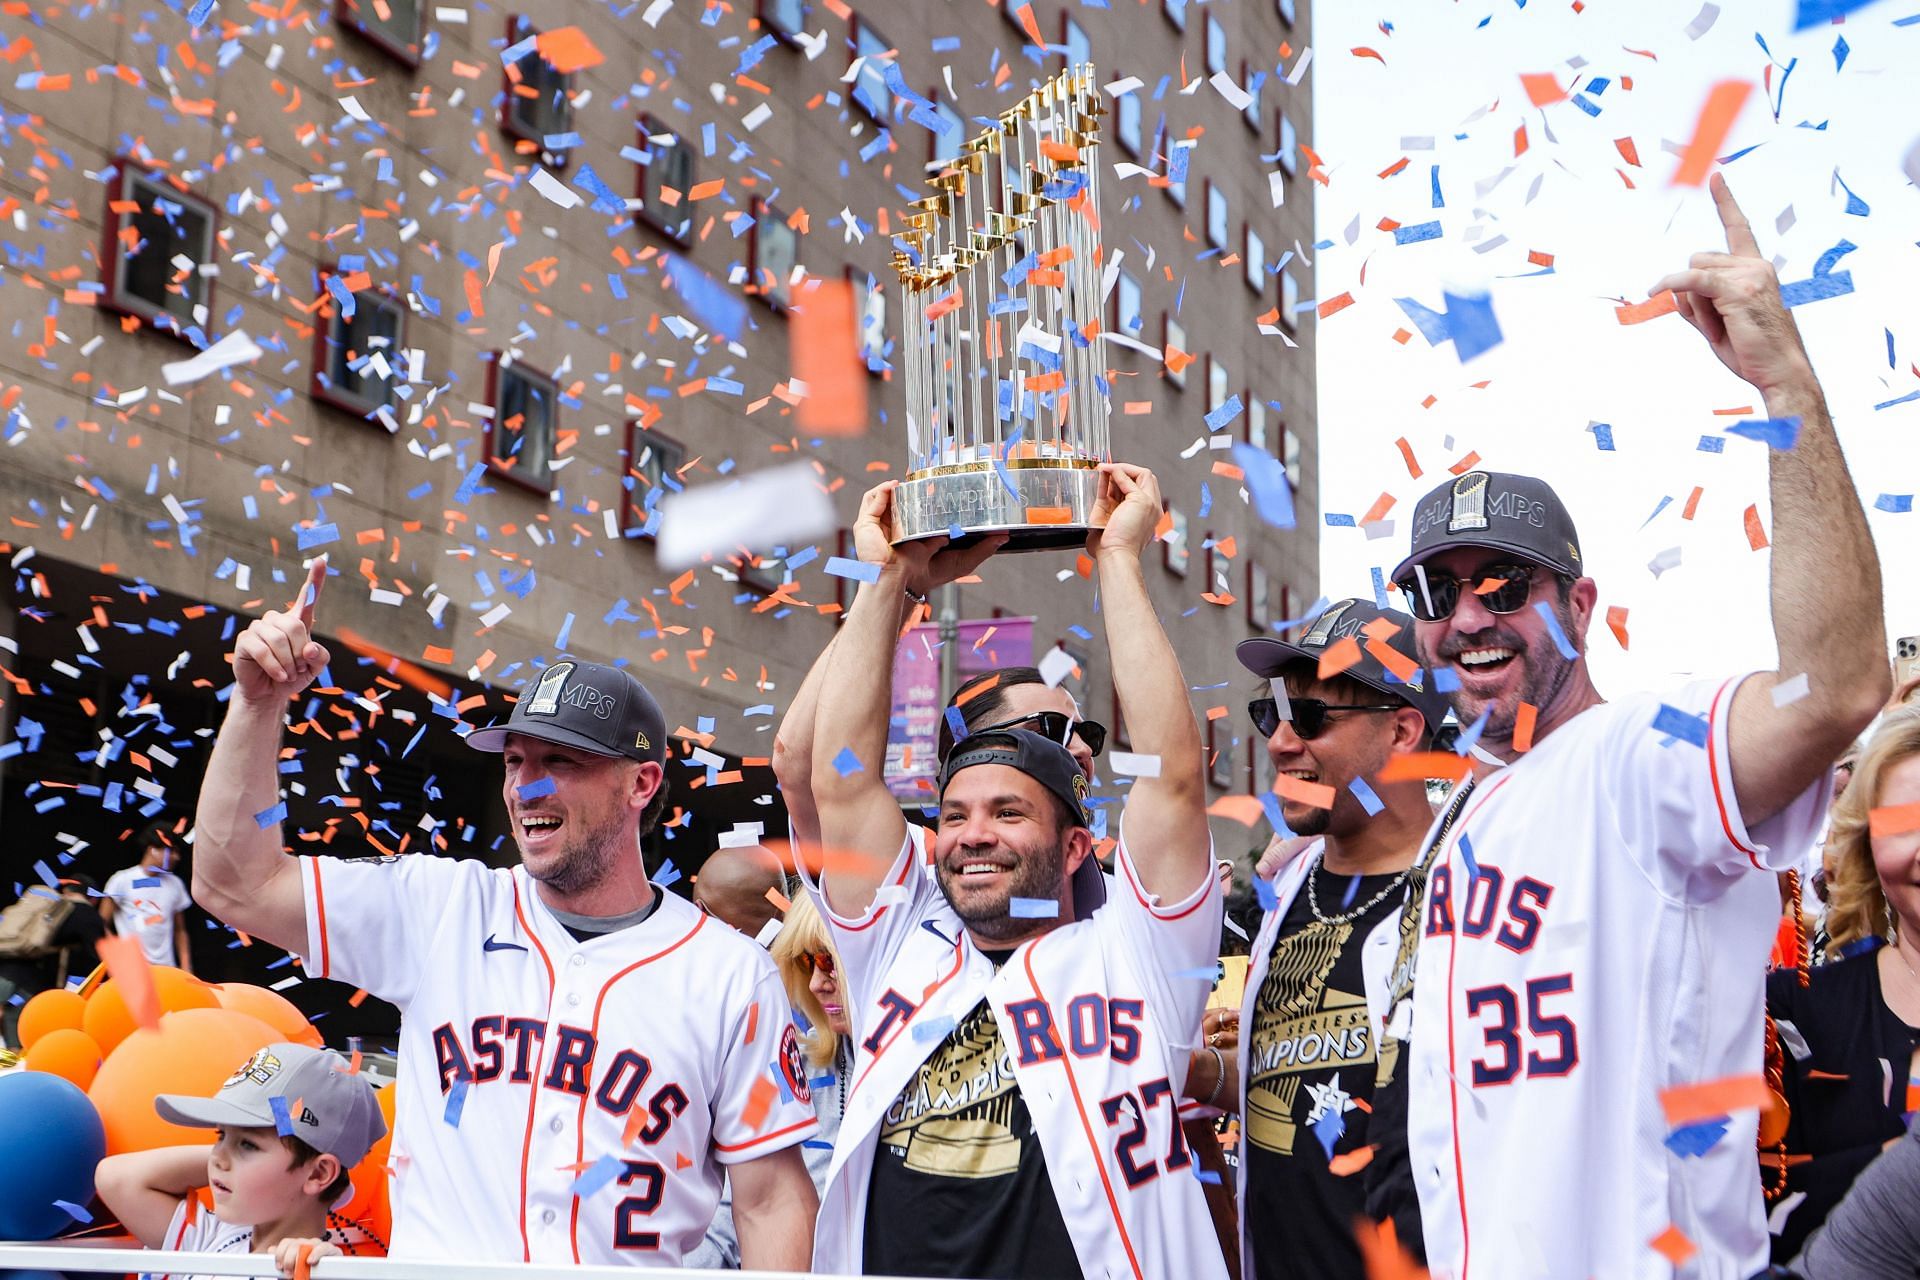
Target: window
663 180
1216 46
786 20
357 347
1290 455
160 238
870 314
1259 595
1253 81
539 99
1254 254
1289 298
948 143
760 574
1176 191
1217 392
1126 305
1216 215
1074 37
1177 554
396 27
1289 148
1220 752
1257 423
653 464
1176 13
773 252
1126 120
1174 335
870 89
526 410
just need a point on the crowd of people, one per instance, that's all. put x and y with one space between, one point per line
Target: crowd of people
1488 962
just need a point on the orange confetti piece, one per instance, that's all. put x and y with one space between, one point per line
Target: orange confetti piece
1659 304
1673 1245
1617 623
1361 51
1381 505
1628 152
1338 657
753 1019
1404 668
779 900
1385 1257
1406 451
1348 1163
1334 304
1426 764
1049 515
1693 503
1029 25
1315 795
1520 141
759 1103
703 190
127 966
963 699
1756 535
568 49
1893 820
1542 87
474 304
1244 810
941 306
824 346
1523 722
1710 131
1687 1104
1465 464
1177 360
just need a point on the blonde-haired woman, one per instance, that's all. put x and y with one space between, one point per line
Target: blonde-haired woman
1852 1032
811 971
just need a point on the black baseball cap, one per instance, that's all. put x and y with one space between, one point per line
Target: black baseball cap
1267 656
588 706
1053 767
1498 510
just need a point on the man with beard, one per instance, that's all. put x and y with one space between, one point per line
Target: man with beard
1598 919
582 1054
1320 1151
1014 1110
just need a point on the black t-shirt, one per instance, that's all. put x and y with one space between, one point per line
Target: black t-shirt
1310 1078
960 1185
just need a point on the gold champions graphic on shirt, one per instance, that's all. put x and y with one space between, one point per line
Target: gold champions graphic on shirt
1300 1026
953 1118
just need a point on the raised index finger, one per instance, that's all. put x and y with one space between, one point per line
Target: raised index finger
1740 239
310 591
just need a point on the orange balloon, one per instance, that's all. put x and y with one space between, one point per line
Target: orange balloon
272 1008
193 1052
370 1206
50 1011
69 1054
109 1021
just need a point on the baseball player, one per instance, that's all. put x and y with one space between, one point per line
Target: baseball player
1597 920
581 1052
1021 1047
1334 946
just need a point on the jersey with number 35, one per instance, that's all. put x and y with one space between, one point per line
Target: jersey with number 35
1595 933
1098 1016
559 1101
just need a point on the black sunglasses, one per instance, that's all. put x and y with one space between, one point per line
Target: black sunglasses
1309 714
1055 725
1512 584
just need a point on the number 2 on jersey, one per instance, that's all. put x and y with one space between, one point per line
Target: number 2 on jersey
1506 1056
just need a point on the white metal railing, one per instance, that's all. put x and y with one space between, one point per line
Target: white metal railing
88 1258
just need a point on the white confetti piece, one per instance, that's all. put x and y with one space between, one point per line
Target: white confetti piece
1129 765
756 117
781 505
235 348
554 189
351 105
1056 666
1703 21
1237 98
1790 691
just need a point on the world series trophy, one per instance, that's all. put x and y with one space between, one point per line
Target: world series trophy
1000 282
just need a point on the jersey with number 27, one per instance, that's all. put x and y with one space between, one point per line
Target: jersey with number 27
559 1101
1596 933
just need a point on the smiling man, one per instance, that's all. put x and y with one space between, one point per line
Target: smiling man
1597 921
1023 1033
582 1054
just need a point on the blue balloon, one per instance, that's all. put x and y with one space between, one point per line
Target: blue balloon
51 1140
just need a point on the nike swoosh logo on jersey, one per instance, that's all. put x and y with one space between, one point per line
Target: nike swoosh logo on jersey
491 945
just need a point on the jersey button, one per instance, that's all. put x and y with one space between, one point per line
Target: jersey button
556 1124
579 960
573 997
547 1217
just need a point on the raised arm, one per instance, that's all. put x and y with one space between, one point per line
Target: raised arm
241 871
143 1188
1166 822
1825 575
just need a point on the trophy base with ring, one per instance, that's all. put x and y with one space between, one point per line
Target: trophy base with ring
1045 504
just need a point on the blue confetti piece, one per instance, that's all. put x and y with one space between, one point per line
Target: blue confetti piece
1340 520
1365 795
1840 51
1676 723
1277 819
1329 1128
1439 201
1897 503
1225 413
1467 321
956 723
1379 587
668 875
1263 893
456 1102
267 817
1352 891
858 570
1267 484
144 882
1470 735
1208 1176
1033 908
1602 435
848 763
317 535
1418 231
932 1030
1775 433
78 1212
1855 205
1712 444
282 1118
601 1171
1560 641
197 16
1888 404
534 790
1698 1138
1825 282
1472 864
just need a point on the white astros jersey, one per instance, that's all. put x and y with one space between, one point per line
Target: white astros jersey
1613 944
654 1056
1098 1017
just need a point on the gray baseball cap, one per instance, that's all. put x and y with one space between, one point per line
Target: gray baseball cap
1499 511
587 706
1270 657
327 1107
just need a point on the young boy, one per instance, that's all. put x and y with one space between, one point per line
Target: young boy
275 1171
